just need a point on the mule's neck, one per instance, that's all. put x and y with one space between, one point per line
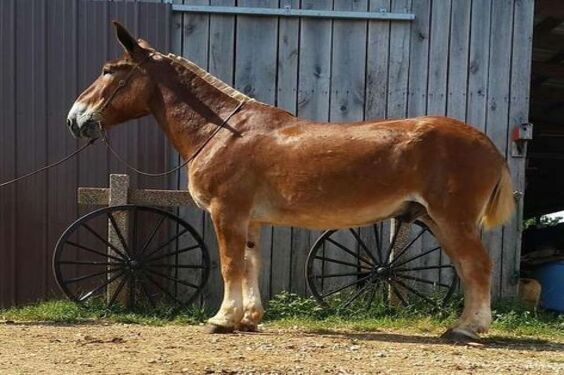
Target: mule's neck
189 103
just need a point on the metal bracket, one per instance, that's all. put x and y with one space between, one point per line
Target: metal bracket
520 136
289 12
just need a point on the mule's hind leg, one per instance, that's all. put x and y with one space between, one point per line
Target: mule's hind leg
231 231
252 304
462 244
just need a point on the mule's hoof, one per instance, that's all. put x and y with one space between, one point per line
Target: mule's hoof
214 328
246 327
460 336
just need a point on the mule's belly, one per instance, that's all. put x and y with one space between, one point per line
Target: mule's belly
327 217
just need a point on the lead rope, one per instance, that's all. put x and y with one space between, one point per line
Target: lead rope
194 155
70 156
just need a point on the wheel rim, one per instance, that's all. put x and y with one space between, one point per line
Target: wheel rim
353 267
158 258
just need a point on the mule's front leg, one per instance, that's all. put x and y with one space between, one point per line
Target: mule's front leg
253 310
231 231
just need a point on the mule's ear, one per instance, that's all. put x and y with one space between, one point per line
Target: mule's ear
125 39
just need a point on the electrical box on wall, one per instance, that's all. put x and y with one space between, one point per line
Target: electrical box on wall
520 136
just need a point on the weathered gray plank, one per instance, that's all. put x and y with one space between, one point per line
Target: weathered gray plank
348 65
518 113
314 81
419 59
478 64
399 63
377 55
437 97
194 46
315 63
347 85
417 101
255 75
458 59
282 275
457 78
498 110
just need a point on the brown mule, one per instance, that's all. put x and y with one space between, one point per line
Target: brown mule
274 168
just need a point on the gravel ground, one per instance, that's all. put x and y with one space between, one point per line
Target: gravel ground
133 349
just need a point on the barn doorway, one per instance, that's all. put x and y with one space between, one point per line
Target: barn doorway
543 238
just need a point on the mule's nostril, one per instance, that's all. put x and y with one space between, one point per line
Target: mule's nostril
69 123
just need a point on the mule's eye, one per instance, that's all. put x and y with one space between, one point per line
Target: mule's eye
106 71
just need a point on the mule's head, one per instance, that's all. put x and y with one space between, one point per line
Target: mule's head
121 92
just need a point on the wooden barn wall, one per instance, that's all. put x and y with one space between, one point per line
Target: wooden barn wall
51 51
465 59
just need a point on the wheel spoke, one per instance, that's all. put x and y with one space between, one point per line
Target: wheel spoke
118 290
414 291
340 262
358 281
100 287
397 292
105 241
340 274
422 268
406 247
176 280
146 292
347 250
152 235
356 295
168 294
118 232
425 281
78 262
93 251
417 256
85 277
184 250
363 245
168 242
378 243
394 239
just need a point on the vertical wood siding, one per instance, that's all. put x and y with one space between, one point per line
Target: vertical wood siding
465 59
52 49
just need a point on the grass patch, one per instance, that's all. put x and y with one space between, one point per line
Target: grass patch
288 310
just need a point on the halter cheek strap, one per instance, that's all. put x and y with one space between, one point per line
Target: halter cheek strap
121 84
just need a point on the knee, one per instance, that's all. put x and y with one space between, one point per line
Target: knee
234 268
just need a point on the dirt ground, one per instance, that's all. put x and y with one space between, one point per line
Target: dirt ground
132 349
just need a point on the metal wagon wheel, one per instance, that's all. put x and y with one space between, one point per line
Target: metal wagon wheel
352 267
154 258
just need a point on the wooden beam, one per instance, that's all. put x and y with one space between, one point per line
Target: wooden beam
162 198
549 8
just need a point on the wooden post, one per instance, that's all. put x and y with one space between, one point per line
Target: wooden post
118 195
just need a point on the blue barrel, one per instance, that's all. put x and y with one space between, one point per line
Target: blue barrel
551 277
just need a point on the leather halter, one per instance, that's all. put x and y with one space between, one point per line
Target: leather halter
121 84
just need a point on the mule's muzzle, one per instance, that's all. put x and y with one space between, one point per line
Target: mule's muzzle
89 129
